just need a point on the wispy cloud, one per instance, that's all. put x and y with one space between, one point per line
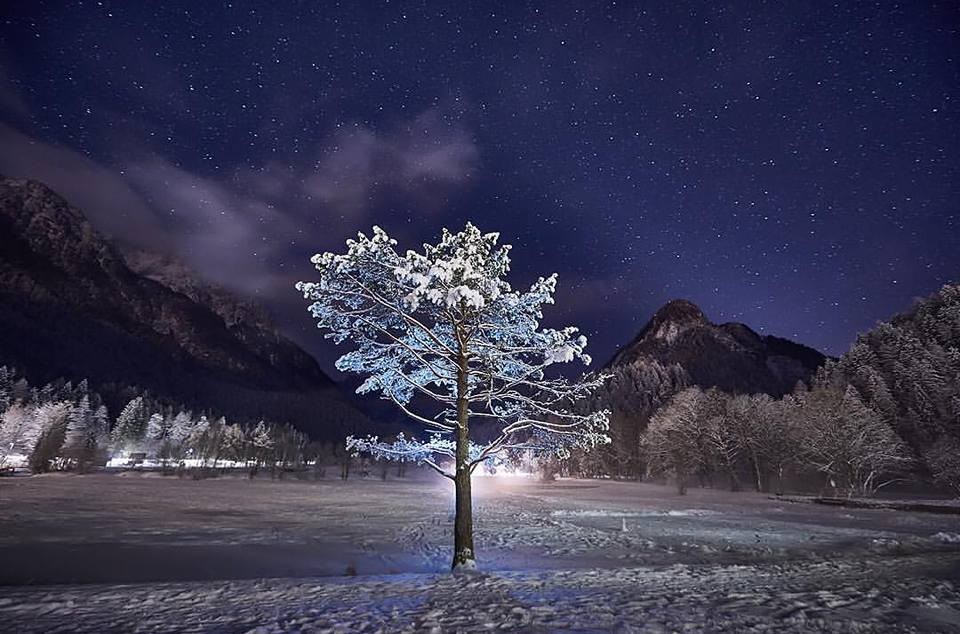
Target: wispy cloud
234 229
424 158
104 194
227 235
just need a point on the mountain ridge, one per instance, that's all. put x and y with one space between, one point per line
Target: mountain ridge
680 347
72 305
680 325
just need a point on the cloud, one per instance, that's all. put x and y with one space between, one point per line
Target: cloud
424 159
154 205
236 230
228 236
101 192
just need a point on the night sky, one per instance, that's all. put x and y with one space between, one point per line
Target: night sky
791 165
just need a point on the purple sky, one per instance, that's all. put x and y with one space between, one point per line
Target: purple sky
790 165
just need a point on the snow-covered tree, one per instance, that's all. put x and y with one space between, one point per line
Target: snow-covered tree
943 460
46 434
15 425
848 442
7 378
211 443
263 442
632 394
158 430
444 327
131 424
20 391
78 422
82 433
289 445
197 435
101 428
234 443
908 371
180 427
765 432
723 435
772 437
675 444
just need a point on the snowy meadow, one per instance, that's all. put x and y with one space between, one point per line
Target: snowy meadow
120 552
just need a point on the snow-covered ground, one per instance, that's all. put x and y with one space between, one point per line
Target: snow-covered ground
141 551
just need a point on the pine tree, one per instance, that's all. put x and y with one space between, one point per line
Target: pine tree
157 431
79 424
81 434
14 425
101 430
196 435
234 443
446 325
46 435
179 431
130 427
7 379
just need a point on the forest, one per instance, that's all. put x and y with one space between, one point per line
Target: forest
65 427
887 412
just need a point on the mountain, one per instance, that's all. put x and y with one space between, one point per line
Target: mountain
72 305
728 356
679 347
247 321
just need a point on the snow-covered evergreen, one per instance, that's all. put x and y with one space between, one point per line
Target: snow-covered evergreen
444 325
131 424
66 426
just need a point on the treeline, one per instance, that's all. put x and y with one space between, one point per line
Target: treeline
62 426
827 431
632 395
43 344
907 372
888 410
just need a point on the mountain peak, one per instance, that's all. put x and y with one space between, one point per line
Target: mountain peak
673 318
731 356
679 311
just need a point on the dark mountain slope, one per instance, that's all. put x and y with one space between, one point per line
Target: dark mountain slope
680 347
729 356
71 306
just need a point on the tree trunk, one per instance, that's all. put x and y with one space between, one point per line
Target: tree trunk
734 477
757 472
463 553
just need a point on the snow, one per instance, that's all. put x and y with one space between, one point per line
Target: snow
14 460
948 538
229 554
602 513
447 326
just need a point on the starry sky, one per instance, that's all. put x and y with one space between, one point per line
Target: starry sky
791 165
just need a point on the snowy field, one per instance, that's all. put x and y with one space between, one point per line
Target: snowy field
140 552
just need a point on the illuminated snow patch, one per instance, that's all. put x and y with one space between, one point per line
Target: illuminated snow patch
947 538
504 474
606 513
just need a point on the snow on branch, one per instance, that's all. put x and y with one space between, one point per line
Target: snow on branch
444 324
